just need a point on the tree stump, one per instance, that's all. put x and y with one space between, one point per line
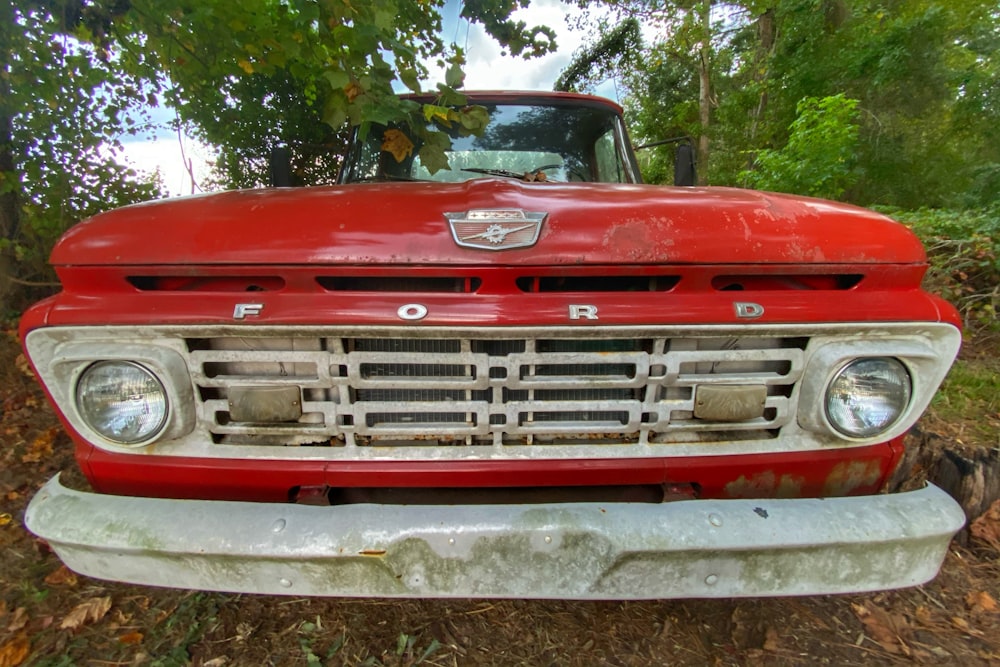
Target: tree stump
970 475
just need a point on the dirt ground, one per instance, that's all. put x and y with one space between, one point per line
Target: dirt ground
50 616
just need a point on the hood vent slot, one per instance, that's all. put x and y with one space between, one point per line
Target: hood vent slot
613 283
458 284
782 282
206 283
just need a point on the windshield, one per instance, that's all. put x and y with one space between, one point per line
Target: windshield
564 143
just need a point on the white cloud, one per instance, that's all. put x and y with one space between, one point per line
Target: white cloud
488 68
168 156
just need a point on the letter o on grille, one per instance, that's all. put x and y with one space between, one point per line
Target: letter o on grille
412 311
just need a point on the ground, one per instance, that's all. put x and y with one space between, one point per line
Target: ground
50 617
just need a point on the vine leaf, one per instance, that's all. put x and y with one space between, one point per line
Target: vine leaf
397 143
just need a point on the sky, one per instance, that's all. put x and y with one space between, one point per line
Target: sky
486 69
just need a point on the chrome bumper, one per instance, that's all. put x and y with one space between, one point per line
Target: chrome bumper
699 548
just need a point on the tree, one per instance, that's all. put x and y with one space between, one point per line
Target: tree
819 158
63 109
232 69
75 74
923 73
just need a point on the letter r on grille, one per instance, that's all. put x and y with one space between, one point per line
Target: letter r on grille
582 312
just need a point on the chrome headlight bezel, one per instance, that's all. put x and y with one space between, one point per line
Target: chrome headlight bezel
926 352
61 359
111 416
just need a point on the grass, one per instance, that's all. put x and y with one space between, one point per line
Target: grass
970 397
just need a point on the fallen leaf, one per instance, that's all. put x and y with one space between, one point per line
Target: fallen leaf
964 626
21 363
771 640
41 447
15 651
88 611
397 143
5 519
131 638
923 614
61 577
18 619
883 627
980 602
987 527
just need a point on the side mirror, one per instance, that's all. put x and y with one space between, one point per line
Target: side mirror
280 163
685 173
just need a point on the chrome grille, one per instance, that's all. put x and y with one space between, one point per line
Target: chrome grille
494 391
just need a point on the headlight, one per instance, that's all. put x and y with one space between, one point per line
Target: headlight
122 401
867 396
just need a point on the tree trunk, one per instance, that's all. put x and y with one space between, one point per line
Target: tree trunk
9 218
704 89
765 47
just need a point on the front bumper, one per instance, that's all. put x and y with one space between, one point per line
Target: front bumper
697 548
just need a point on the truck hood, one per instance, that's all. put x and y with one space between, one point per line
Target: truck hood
405 223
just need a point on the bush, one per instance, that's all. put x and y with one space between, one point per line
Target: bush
963 248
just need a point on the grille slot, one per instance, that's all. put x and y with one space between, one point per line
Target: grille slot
494 392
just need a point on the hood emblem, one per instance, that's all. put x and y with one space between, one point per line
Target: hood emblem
495 229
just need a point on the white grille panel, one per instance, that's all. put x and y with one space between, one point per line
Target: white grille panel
507 392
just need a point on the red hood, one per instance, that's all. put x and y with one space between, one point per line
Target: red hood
404 223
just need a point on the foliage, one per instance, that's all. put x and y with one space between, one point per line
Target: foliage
63 108
924 75
246 77
818 159
963 248
616 49
266 71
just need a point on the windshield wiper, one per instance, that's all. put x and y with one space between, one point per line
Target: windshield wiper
384 178
532 176
495 172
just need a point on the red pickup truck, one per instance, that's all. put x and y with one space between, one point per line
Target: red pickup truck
525 375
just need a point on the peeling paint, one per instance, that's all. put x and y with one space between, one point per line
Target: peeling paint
766 485
850 476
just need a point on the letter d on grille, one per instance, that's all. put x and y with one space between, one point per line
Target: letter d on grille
495 229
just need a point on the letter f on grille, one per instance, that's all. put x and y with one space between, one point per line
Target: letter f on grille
244 310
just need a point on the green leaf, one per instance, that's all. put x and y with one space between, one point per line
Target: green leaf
433 154
337 78
449 97
410 79
432 112
454 77
474 119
